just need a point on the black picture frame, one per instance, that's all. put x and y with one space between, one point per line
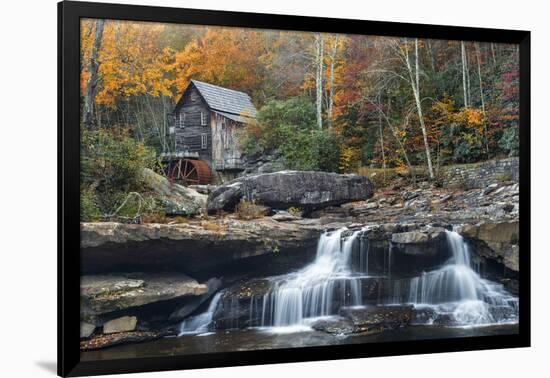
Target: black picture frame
69 15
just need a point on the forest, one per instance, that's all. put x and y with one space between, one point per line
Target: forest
327 102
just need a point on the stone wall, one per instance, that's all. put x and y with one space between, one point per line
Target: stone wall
479 175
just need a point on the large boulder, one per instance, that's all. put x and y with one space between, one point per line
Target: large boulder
103 294
177 199
280 190
498 241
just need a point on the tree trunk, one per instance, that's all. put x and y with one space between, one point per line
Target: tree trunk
381 131
395 135
93 68
415 86
482 97
494 55
468 76
431 54
319 78
464 68
331 89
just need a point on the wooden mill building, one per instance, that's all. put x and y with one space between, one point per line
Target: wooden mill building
206 120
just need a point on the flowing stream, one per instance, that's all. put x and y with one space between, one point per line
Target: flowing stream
345 264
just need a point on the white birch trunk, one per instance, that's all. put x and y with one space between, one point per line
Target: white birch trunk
319 79
482 97
464 84
331 88
415 86
467 75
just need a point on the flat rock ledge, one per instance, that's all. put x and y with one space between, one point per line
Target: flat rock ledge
193 246
101 294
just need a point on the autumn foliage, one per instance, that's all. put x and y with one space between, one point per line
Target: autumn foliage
370 116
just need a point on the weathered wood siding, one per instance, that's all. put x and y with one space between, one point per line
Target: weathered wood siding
226 149
190 133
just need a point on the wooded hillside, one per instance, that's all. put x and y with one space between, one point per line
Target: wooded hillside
343 103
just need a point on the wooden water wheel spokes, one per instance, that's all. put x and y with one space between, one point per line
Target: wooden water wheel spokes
189 172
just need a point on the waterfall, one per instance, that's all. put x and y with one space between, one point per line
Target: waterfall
337 278
332 281
200 323
457 290
319 289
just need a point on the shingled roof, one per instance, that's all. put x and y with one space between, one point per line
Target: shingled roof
226 100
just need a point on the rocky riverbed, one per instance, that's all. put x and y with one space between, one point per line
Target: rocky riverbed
140 281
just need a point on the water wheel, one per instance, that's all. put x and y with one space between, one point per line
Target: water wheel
189 172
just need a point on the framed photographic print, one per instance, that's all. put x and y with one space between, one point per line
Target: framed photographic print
242 188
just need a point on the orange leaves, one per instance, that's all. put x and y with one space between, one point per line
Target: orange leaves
470 118
223 56
132 61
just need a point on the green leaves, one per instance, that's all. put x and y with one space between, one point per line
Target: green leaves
111 166
290 128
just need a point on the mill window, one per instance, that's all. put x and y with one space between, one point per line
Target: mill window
204 141
203 119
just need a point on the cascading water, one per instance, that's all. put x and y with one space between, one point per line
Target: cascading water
345 261
320 288
335 278
458 291
199 323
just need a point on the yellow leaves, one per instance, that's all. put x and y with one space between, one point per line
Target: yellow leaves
132 60
468 123
445 107
471 118
400 133
400 166
350 157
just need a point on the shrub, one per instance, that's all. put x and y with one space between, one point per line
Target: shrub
509 142
250 210
350 158
111 183
89 210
